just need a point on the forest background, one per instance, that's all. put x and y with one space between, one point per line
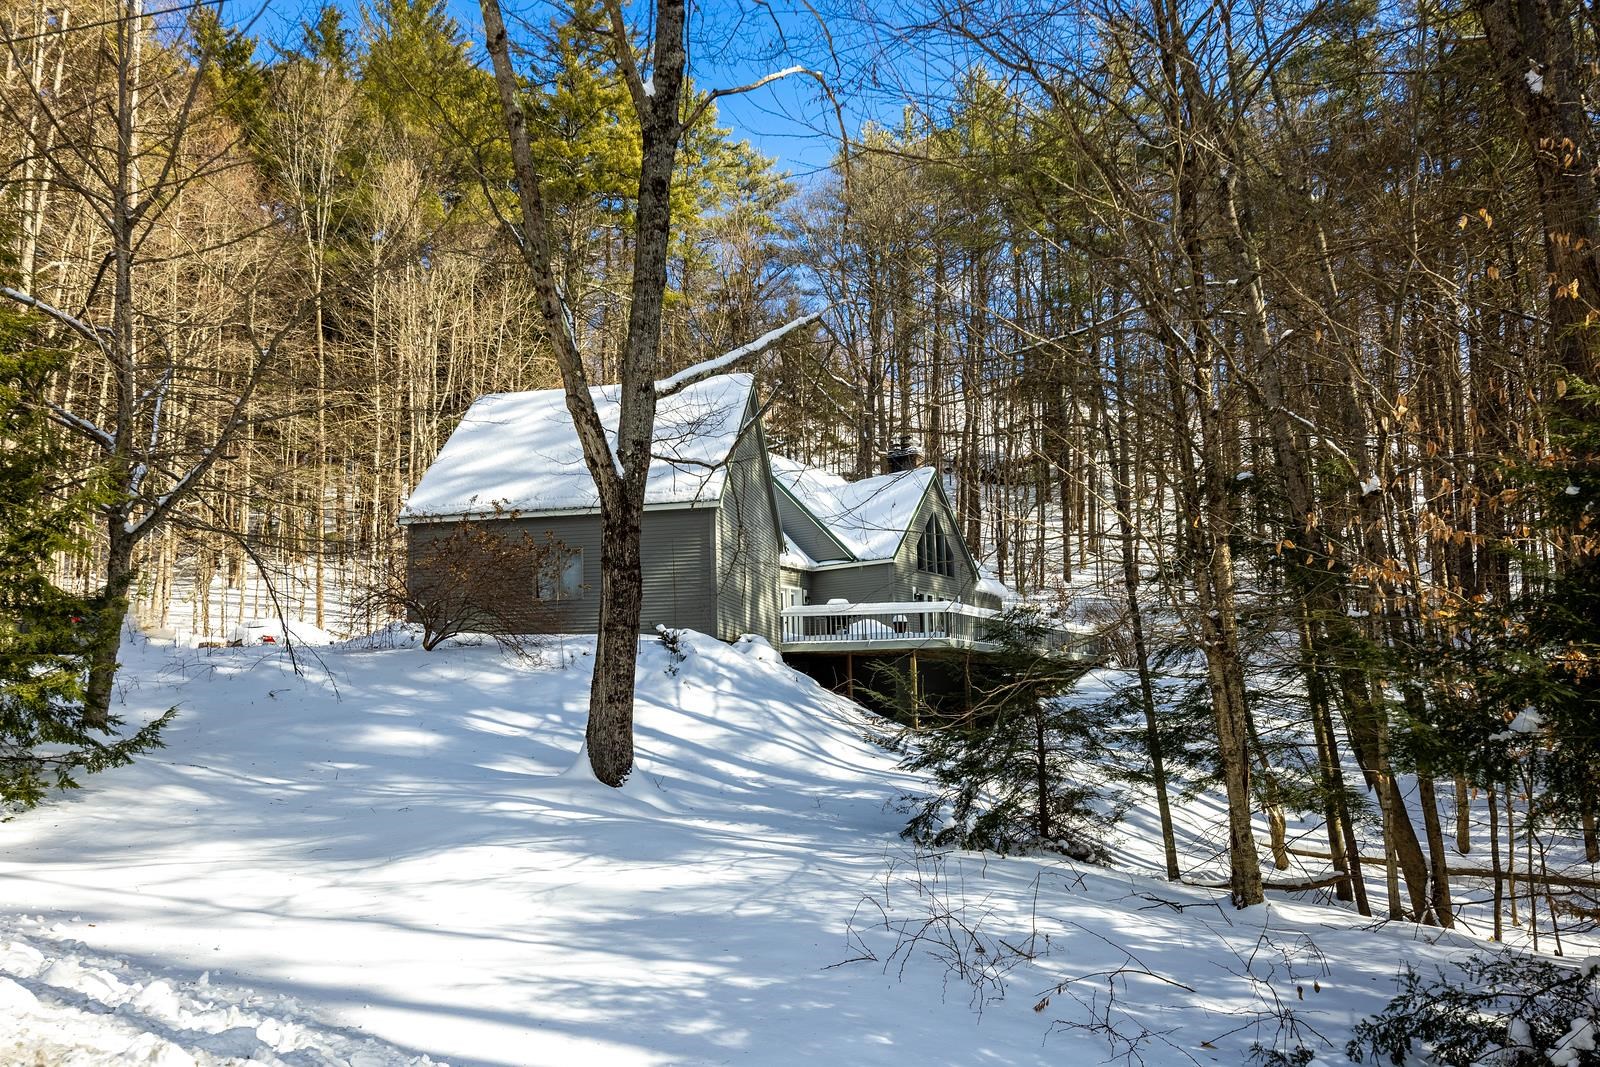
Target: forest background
1262 338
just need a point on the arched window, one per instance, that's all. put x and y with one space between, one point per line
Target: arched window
935 553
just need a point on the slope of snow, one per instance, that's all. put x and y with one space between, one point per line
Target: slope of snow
395 853
519 451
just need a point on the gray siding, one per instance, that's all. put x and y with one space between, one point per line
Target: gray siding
804 531
869 582
963 586
799 579
676 552
748 544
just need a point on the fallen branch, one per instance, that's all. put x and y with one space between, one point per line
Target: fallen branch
1567 880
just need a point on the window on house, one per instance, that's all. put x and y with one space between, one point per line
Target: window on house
560 576
935 553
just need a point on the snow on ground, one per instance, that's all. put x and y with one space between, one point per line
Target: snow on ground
1200 823
65 1004
389 856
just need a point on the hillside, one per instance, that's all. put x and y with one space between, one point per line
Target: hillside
386 858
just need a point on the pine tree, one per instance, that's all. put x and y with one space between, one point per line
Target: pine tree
1004 766
1555 654
45 633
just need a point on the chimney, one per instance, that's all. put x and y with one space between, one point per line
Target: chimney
904 456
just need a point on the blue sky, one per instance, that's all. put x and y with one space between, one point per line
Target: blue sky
873 72
734 42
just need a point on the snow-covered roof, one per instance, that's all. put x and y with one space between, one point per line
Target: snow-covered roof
870 516
995 587
519 452
794 557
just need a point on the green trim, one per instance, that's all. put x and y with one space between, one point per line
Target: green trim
850 557
955 527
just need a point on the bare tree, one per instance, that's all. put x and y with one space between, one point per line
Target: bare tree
173 406
655 81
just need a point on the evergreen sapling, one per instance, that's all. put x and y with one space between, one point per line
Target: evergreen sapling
1004 767
46 634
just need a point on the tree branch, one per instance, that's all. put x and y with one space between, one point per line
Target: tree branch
642 94
677 383
717 94
186 484
71 322
63 417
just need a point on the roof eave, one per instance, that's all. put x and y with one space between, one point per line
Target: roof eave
541 513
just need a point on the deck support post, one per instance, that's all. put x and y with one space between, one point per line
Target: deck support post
850 675
916 709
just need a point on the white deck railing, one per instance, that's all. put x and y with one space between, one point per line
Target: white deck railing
906 624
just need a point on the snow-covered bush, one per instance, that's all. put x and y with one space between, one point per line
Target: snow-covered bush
1509 1010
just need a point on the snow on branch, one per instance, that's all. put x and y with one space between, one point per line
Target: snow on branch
164 502
76 325
700 371
84 426
777 75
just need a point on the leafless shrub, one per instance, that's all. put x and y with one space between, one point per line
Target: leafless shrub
922 906
475 577
942 922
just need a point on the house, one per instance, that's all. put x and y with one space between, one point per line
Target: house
710 538
890 541
734 540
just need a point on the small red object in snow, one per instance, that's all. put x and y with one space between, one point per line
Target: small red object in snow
268 639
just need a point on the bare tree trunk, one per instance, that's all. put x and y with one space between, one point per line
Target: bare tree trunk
1494 863
126 195
1439 875
1591 835
1120 480
111 608
1335 817
1533 46
608 736
1224 673
620 474
1511 852
1041 767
